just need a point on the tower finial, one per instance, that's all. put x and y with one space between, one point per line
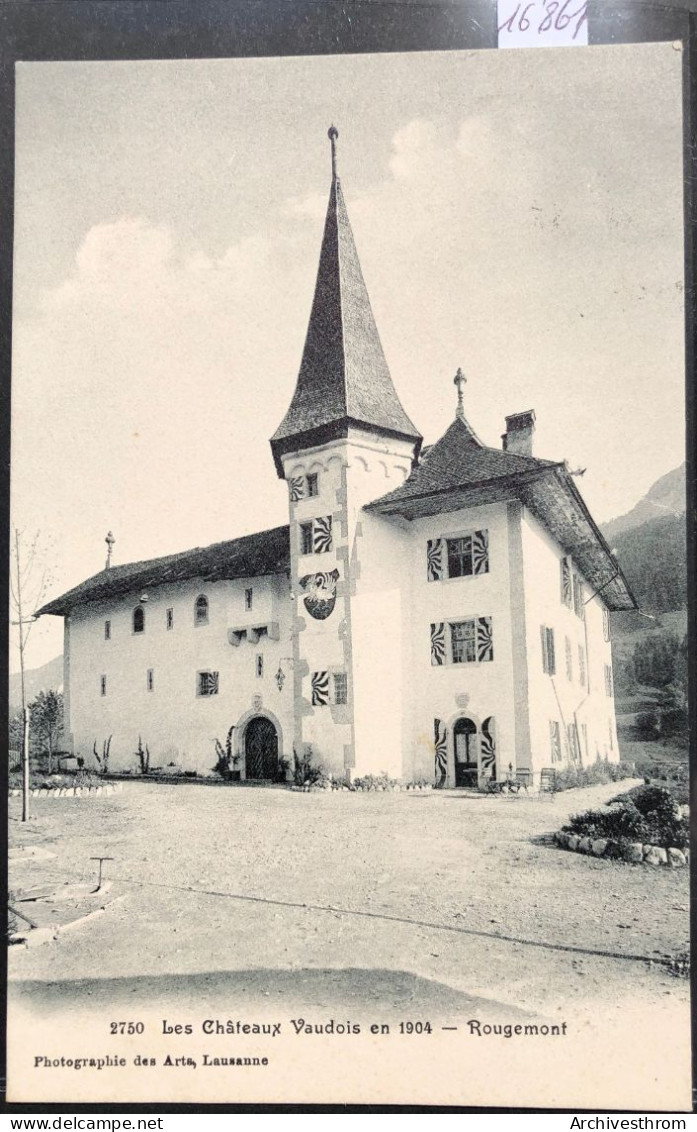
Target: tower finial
333 134
460 380
109 540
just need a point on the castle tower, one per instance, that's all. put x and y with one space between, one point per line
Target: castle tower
344 441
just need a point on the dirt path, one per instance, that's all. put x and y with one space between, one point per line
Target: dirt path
440 899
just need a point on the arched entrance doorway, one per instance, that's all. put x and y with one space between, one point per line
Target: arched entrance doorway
260 748
465 750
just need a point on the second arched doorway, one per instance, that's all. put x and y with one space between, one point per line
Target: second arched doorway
466 752
260 748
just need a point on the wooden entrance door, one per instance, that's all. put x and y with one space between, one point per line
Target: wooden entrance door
261 748
465 741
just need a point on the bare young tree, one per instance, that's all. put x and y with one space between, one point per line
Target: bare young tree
29 583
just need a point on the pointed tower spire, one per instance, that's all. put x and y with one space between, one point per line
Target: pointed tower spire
343 379
460 380
333 134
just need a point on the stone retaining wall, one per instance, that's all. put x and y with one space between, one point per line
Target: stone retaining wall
70 791
633 851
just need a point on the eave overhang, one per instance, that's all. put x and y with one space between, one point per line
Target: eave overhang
551 495
335 430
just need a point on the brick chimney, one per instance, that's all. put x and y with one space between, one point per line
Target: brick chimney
519 432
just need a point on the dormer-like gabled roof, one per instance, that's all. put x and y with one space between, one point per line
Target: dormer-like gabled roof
344 378
458 471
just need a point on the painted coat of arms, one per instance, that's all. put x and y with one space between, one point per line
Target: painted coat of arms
320 593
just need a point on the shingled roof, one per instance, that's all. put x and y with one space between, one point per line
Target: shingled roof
344 378
252 556
459 471
458 459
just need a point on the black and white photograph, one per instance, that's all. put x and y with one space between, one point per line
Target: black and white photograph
348 744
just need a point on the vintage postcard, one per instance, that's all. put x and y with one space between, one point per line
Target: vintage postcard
348 697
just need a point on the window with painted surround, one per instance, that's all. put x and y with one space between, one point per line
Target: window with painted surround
316 535
139 619
107 630
465 641
569 660
457 556
574 745
567 595
579 606
340 688
548 658
201 610
323 684
555 741
207 683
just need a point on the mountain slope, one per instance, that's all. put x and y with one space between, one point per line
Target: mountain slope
48 676
665 499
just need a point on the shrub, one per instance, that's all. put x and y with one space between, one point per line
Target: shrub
103 759
647 814
572 777
143 756
623 822
304 771
646 725
225 757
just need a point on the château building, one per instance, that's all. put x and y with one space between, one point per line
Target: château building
436 613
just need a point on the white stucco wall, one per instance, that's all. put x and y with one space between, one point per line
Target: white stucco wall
558 698
363 635
475 690
178 725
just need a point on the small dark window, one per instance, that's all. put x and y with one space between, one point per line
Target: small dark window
170 618
260 665
459 557
248 598
340 688
306 538
107 630
312 484
103 685
207 684
151 679
139 619
201 610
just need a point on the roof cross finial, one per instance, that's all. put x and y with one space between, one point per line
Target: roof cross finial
333 134
109 540
460 380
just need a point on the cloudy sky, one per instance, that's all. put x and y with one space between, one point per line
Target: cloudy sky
518 214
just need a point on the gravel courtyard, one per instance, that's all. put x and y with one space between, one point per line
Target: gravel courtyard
437 899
